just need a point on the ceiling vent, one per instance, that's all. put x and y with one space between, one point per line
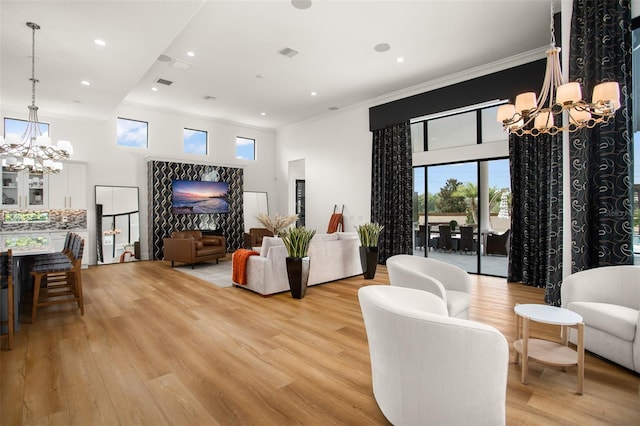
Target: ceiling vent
163 81
288 52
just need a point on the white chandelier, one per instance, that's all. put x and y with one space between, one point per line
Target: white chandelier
33 150
534 117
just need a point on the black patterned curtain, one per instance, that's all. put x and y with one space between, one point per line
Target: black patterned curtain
601 173
391 189
536 219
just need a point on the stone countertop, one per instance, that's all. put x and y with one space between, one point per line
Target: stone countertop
41 231
27 244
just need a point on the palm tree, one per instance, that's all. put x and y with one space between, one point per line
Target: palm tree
469 191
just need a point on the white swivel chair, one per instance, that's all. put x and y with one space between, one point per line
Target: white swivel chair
450 283
428 368
608 298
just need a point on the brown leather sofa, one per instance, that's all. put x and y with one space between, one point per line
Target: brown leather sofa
254 237
192 247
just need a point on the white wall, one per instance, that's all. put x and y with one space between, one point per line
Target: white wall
337 153
94 142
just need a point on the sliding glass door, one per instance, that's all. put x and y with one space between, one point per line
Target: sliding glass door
459 209
452 195
497 212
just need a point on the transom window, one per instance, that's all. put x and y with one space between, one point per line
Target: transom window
245 148
195 141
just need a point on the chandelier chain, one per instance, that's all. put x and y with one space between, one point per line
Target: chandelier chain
551 26
33 66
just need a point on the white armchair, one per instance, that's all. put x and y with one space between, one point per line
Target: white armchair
608 298
450 283
428 368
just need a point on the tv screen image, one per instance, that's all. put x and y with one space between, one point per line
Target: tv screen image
193 196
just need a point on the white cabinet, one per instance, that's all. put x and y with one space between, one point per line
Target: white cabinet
68 189
23 190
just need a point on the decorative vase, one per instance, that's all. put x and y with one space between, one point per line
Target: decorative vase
369 261
298 274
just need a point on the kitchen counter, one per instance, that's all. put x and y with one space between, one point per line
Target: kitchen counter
26 244
41 241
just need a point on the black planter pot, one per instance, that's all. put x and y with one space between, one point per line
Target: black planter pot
369 261
298 274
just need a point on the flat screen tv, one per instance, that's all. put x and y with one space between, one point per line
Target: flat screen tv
193 196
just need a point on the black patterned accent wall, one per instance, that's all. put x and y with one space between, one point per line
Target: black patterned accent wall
162 221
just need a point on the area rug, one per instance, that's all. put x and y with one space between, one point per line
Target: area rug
217 274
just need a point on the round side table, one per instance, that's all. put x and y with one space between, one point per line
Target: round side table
545 351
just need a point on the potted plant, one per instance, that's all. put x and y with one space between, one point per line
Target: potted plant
369 234
453 224
296 241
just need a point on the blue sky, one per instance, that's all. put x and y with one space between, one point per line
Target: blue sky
195 142
18 127
245 148
132 133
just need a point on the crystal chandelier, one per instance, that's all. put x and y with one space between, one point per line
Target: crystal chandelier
533 117
33 150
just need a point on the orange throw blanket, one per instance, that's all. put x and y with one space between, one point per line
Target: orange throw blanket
336 222
239 266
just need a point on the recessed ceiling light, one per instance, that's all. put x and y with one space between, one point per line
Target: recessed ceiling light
382 47
301 4
100 42
313 93
400 59
164 58
209 98
333 108
85 83
190 53
155 89
263 113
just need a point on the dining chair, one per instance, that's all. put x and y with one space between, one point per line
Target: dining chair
58 277
444 240
467 241
6 281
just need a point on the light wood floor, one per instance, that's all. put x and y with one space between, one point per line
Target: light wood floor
157 347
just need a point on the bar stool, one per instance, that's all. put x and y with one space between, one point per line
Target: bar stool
6 280
57 276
